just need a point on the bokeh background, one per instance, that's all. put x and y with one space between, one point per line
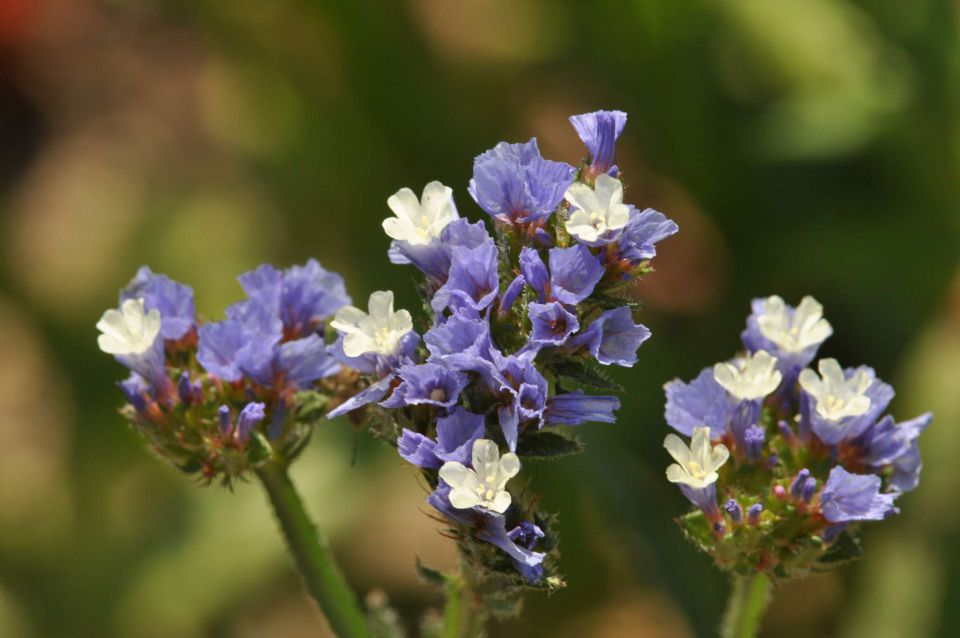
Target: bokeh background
804 147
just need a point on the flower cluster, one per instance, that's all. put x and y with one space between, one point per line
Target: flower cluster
521 322
221 397
785 461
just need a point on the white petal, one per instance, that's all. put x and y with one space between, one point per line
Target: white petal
585 232
404 205
618 216
582 197
464 499
381 305
401 322
356 344
718 457
676 474
677 449
509 466
609 191
485 452
810 382
400 229
111 345
455 474
501 502
348 318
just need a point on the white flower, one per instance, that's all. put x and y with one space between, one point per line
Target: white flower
130 330
597 210
378 332
806 328
837 397
483 485
696 465
417 222
751 378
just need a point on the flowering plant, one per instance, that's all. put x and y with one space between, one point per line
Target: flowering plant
519 324
785 462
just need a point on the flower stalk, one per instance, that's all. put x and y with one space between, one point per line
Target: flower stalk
745 608
312 554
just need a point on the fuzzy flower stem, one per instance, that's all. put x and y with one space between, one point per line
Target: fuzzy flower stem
454 625
746 606
312 554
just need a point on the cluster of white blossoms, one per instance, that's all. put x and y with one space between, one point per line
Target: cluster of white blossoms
483 486
696 465
377 332
750 378
128 331
836 396
596 210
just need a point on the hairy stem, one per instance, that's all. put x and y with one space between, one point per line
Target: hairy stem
748 601
312 554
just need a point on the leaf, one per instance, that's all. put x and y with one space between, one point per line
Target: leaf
583 374
845 548
546 444
431 575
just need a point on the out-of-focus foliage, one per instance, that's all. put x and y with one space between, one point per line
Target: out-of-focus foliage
804 147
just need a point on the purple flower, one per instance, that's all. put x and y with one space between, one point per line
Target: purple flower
815 413
433 259
251 414
301 296
456 434
574 272
613 338
173 300
753 438
510 294
303 361
599 131
371 394
703 497
526 534
429 384
523 391
534 271
514 184
576 407
189 391
733 510
753 513
701 402
529 563
888 444
854 497
418 449
644 229
552 323
135 390
473 281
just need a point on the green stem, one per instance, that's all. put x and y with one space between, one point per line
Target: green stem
453 621
312 554
748 601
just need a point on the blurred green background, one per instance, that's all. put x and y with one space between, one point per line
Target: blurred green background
804 147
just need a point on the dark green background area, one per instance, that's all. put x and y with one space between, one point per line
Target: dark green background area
804 147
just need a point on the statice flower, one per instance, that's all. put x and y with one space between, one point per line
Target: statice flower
812 455
218 398
522 318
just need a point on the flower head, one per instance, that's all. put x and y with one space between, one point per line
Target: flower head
696 465
378 332
130 330
173 300
599 131
793 330
419 222
596 211
482 486
750 378
854 497
837 395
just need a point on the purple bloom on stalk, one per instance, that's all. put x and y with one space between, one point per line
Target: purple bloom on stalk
888 444
701 402
599 131
301 296
173 300
135 390
644 229
418 449
473 281
433 258
372 394
428 384
510 294
753 438
529 563
514 184
526 534
574 272
733 510
576 407
753 513
525 394
854 497
613 338
534 271
456 434
552 323
251 414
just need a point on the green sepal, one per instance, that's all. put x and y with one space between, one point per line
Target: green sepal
547 444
